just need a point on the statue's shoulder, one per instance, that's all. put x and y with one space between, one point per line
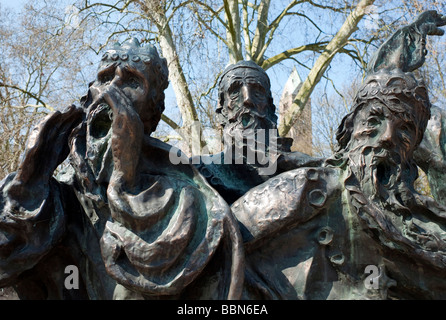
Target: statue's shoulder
308 177
285 201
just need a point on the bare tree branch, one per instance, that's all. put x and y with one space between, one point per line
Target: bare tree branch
33 96
338 42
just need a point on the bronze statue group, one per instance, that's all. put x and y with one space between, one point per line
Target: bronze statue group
137 226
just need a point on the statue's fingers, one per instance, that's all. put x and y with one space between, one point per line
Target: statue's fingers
116 98
71 116
37 150
436 32
441 21
431 29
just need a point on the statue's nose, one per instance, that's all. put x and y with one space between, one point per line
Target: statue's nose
119 75
387 137
247 96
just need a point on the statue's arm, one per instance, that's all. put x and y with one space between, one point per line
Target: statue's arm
31 205
127 136
293 160
46 148
406 48
430 155
283 202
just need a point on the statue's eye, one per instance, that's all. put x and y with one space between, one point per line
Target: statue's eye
260 94
406 134
234 90
105 78
405 128
373 121
234 94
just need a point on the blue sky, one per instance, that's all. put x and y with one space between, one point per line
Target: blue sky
278 75
14 4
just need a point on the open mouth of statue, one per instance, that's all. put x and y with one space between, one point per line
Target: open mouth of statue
384 172
246 120
385 163
101 121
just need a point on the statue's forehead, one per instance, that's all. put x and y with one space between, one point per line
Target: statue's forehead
389 110
246 72
248 75
131 58
374 106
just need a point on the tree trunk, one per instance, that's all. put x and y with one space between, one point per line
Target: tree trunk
191 127
233 31
261 30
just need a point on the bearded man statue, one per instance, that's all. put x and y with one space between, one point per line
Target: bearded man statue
354 228
134 225
252 152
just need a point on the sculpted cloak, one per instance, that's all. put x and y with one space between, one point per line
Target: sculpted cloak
172 236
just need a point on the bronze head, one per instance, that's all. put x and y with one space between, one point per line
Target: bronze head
245 96
398 91
140 73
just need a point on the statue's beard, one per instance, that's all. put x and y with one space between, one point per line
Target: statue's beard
386 201
98 153
379 173
250 134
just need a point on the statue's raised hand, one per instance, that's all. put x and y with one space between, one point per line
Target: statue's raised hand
406 48
428 23
46 148
127 126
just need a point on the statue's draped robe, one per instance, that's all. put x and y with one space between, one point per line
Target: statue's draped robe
310 234
171 236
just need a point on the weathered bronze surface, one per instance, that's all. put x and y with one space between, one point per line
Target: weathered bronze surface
137 226
430 155
253 152
355 228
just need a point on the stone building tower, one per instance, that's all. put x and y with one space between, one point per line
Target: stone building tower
301 132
